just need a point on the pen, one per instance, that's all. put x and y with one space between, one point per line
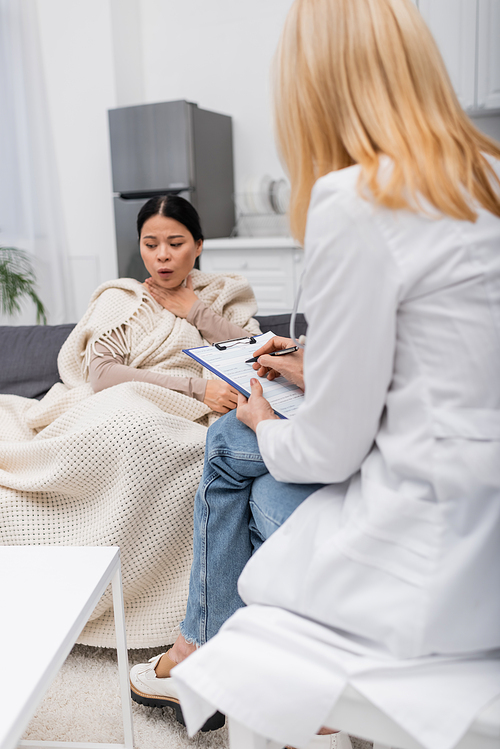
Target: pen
275 353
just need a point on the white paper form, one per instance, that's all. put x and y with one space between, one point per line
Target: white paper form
230 366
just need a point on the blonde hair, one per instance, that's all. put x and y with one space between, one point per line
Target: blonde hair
359 78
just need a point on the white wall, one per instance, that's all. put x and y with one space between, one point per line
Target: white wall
77 55
100 54
218 54
126 25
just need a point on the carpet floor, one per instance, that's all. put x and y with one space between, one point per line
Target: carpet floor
83 704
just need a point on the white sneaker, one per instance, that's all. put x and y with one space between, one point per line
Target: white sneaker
148 689
339 740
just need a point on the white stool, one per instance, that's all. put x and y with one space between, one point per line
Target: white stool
355 715
282 675
47 595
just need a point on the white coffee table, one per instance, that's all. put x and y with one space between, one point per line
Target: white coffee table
47 594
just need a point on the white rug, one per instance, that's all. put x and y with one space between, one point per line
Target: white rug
83 704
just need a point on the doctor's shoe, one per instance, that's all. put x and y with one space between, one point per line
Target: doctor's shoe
147 689
339 740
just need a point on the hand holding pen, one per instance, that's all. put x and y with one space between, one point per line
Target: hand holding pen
273 363
275 353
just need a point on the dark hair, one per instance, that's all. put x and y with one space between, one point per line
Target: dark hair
171 206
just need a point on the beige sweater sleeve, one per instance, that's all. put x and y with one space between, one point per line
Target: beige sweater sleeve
106 370
212 326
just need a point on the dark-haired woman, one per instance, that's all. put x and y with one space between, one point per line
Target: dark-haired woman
170 240
113 454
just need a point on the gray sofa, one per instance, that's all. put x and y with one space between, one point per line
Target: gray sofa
28 354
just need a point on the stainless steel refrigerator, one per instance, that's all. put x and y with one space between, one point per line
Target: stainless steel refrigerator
169 147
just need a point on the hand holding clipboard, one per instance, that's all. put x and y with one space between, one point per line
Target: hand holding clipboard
228 360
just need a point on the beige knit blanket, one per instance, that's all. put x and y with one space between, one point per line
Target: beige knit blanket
119 467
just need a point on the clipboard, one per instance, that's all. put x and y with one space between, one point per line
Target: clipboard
226 359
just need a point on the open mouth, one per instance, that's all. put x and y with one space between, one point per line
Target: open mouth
165 273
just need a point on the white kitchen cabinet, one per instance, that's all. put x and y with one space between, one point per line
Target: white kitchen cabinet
453 25
467 33
488 57
272 266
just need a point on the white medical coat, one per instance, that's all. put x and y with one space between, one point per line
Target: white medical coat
402 418
399 556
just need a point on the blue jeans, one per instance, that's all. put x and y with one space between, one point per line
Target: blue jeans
238 505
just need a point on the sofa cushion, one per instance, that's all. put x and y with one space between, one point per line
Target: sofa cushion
28 354
28 358
280 324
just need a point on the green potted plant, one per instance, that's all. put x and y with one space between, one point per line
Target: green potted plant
17 280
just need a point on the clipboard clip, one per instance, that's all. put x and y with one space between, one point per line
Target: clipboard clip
223 345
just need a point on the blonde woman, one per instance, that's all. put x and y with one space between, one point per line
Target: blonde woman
400 421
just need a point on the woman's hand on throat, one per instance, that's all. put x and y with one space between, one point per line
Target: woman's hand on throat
178 301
